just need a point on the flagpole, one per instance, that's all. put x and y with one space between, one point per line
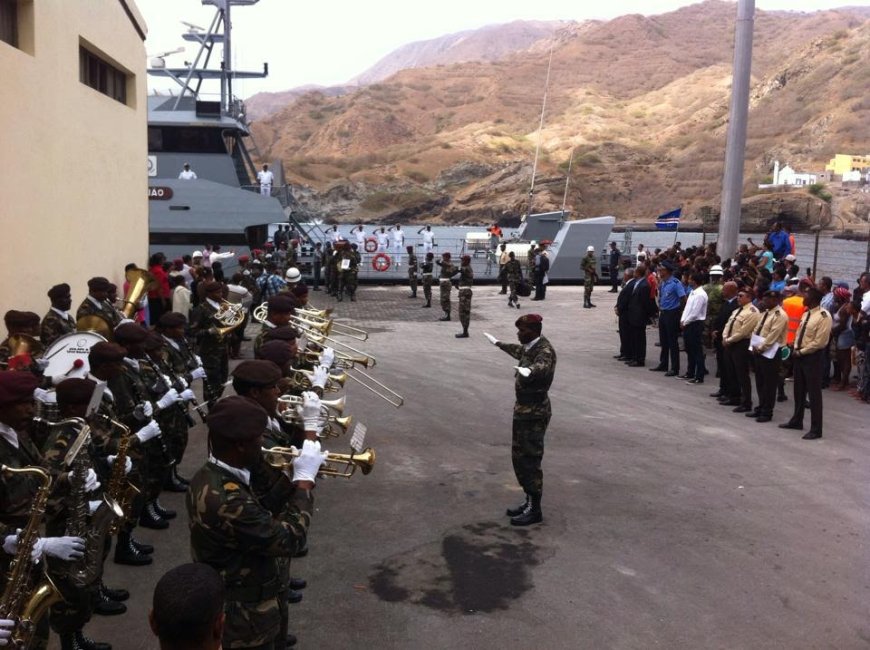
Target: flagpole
677 231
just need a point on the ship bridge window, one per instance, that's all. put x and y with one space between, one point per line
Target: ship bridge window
185 139
102 76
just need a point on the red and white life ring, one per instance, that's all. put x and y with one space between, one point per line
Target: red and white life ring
381 262
371 245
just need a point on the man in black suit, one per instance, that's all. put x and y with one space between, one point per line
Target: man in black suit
614 257
542 265
641 308
728 386
621 310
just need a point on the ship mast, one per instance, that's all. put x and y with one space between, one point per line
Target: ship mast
540 130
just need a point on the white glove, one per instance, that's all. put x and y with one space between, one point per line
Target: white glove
327 357
150 430
42 364
10 543
6 627
91 482
170 398
93 505
186 395
307 464
197 373
310 410
128 464
490 338
147 409
45 396
183 382
63 548
523 372
321 375
198 359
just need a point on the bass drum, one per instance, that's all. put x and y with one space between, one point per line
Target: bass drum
68 355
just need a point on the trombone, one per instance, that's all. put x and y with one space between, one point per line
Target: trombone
323 340
342 361
388 394
343 465
329 326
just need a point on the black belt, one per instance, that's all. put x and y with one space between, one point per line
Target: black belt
530 398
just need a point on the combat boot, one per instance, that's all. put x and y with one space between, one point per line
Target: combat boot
520 509
586 304
164 513
78 641
150 518
142 547
445 317
427 305
531 515
173 482
463 334
126 553
106 606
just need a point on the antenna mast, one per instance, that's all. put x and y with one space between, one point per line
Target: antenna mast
540 128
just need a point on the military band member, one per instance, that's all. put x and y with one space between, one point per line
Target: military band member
428 268
813 334
212 346
772 328
412 271
188 608
466 280
281 309
445 283
20 323
57 321
513 271
241 534
96 303
535 370
590 275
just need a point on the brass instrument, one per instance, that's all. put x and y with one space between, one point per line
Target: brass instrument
327 326
323 340
22 601
261 313
120 490
303 379
343 465
96 324
230 316
342 361
292 401
314 313
333 425
378 388
25 344
139 282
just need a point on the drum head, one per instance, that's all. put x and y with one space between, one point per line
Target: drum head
62 354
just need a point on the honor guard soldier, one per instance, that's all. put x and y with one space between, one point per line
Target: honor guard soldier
466 280
445 283
813 334
590 275
535 370
513 272
242 534
57 321
412 271
428 268
212 345
772 329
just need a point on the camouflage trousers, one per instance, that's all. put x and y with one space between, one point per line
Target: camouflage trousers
348 281
412 282
587 288
465 307
445 288
427 288
527 452
216 374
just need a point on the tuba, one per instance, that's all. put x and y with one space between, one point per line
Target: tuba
23 349
140 282
21 601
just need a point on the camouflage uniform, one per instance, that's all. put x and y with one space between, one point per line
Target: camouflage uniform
590 272
105 311
412 274
177 359
242 535
447 272
531 411
348 277
427 281
514 273
466 279
54 326
714 305
212 347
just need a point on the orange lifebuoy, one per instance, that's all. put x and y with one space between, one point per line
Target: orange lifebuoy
371 245
381 262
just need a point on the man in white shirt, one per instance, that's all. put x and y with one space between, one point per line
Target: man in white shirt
265 178
692 324
398 244
336 234
217 256
187 174
428 239
383 239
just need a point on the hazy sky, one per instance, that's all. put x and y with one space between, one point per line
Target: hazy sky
329 42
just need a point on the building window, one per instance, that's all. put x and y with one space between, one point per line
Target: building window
102 76
9 22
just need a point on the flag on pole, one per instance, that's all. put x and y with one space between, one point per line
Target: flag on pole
669 220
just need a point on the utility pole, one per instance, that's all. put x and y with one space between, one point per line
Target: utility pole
735 151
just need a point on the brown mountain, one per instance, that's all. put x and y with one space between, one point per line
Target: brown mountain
641 101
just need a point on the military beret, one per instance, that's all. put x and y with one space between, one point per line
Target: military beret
171 319
806 282
153 341
113 288
103 353
130 333
258 372
98 284
300 290
59 291
75 391
15 319
236 418
281 333
243 259
529 319
212 287
178 263
281 304
842 294
276 352
17 386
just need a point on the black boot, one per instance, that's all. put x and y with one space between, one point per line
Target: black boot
84 643
126 553
531 515
445 317
151 519
590 303
164 513
142 547
586 304
105 606
463 334
298 583
173 482
520 509
294 596
115 594
428 305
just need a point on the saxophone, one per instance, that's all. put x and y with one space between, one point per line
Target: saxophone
120 491
22 601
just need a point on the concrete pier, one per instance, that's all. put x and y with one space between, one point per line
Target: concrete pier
669 521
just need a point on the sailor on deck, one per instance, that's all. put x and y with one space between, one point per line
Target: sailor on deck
187 174
265 178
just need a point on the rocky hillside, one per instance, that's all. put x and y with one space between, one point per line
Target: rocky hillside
637 104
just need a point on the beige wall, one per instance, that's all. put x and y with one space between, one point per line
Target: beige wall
73 200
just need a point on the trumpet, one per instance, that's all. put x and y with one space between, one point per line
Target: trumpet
333 426
292 401
343 465
334 383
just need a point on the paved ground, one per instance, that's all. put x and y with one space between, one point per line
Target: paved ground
670 522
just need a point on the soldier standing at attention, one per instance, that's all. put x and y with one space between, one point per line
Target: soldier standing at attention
466 280
242 535
613 262
447 272
513 272
57 322
503 258
428 266
412 271
590 275
534 373
211 344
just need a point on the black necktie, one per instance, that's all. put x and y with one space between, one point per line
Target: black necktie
761 326
801 332
731 324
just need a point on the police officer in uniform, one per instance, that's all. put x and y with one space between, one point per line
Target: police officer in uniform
772 329
535 369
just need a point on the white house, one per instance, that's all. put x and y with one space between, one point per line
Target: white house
788 176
